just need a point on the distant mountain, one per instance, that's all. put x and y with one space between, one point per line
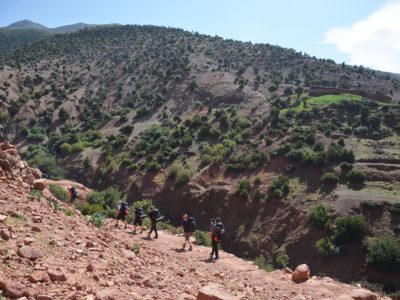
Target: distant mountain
25 32
26 24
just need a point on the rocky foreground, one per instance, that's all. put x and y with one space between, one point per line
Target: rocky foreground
57 254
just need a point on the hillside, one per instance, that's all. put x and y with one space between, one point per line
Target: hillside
50 251
25 32
299 156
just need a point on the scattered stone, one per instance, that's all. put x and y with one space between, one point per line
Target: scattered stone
39 185
5 234
90 267
28 241
56 275
301 274
89 244
36 229
29 252
37 219
14 289
104 295
214 292
129 254
3 218
43 297
362 294
39 277
147 283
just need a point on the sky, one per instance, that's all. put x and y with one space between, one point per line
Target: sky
361 32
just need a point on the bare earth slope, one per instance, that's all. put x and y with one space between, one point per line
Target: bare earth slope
83 260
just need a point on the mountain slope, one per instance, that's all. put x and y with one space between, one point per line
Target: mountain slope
26 24
25 32
50 253
257 134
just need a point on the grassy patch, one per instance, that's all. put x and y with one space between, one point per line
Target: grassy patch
323 101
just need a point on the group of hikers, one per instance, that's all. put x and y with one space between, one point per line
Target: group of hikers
188 224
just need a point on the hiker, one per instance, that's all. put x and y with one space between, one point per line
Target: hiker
189 226
122 212
73 194
217 231
154 215
139 216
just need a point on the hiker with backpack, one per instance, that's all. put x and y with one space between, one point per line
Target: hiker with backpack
122 212
73 194
189 226
217 231
154 216
139 216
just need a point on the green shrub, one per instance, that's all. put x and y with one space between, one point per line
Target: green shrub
97 219
345 166
320 215
280 187
243 190
326 247
282 260
108 198
136 249
350 228
304 156
355 176
35 194
202 238
181 173
261 262
384 253
59 192
89 209
329 179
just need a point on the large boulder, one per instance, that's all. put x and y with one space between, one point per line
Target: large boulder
214 292
301 274
29 252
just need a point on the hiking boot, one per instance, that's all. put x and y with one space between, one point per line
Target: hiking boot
156 237
191 248
126 226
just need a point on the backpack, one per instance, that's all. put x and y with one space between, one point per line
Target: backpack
157 215
124 208
192 222
75 192
219 230
139 213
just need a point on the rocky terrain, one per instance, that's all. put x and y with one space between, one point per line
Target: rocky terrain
298 155
56 253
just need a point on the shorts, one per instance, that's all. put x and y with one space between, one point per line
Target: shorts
121 216
138 221
187 235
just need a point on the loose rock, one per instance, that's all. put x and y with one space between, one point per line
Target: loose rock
301 274
214 292
29 252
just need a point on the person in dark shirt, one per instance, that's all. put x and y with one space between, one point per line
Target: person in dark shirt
139 215
187 231
153 216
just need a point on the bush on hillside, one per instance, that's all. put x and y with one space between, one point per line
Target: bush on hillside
326 247
346 167
384 253
262 263
355 176
107 198
202 238
59 192
329 179
243 190
280 187
320 215
350 228
181 173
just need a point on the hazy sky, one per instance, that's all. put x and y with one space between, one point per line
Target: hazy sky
363 32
